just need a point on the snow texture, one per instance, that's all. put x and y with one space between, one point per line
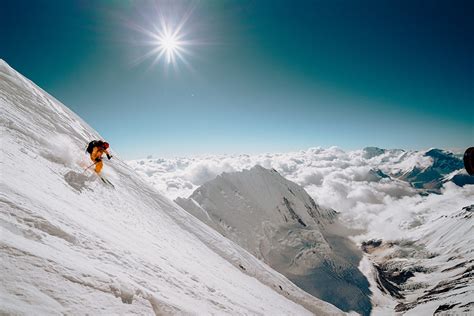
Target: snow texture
72 245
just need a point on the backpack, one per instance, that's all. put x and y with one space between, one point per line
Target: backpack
93 144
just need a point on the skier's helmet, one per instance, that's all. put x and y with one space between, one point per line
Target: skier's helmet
105 145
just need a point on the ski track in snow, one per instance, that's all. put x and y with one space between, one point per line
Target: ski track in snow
72 245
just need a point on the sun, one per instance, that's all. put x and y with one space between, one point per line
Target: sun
165 34
169 44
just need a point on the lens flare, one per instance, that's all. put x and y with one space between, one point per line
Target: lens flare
166 37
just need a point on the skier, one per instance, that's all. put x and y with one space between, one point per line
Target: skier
96 149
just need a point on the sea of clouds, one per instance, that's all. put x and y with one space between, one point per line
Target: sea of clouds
362 185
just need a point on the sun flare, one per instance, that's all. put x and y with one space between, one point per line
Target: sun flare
169 44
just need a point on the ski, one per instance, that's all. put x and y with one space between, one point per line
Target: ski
106 181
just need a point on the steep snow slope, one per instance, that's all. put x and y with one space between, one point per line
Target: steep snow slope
276 220
72 245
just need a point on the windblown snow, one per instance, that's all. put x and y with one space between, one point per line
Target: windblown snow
72 245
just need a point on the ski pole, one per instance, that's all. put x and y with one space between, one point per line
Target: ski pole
89 166
120 160
117 158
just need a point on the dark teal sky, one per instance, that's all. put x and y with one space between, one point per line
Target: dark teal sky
263 75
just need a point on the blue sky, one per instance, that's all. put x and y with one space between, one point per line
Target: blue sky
262 76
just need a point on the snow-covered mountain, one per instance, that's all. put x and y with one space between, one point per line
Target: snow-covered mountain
430 269
277 221
72 245
422 169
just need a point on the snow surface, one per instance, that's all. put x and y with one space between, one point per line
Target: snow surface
72 245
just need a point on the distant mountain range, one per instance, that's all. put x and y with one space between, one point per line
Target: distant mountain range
423 170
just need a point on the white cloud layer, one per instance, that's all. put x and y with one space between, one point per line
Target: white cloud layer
361 184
